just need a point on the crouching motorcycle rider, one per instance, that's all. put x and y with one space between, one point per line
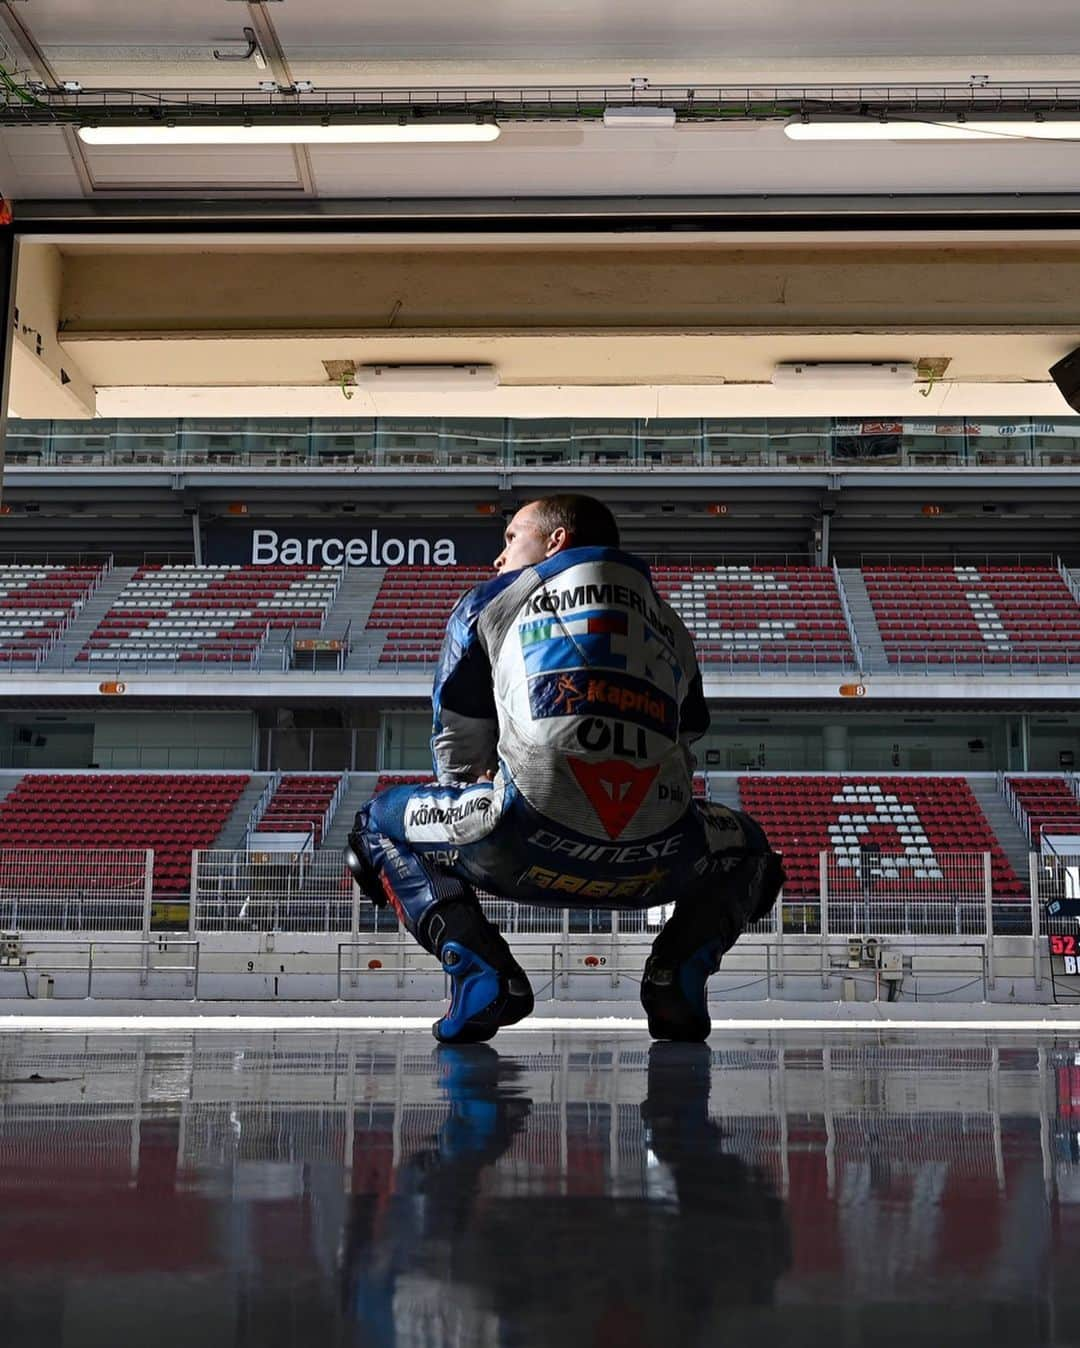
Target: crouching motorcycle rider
565 701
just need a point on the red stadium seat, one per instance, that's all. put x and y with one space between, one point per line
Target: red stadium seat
299 803
170 812
1047 806
1021 615
209 614
37 603
913 816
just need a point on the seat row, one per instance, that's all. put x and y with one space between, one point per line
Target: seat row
212 615
37 603
300 802
1046 805
860 820
174 814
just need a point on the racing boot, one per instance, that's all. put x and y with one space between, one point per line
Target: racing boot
488 988
689 948
673 994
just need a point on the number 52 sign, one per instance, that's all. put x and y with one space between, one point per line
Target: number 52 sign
1065 966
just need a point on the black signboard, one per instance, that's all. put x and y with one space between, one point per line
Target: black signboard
386 543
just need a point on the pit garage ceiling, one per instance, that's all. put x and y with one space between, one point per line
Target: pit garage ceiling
412 44
610 324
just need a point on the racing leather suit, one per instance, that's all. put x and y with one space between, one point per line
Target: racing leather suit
577 688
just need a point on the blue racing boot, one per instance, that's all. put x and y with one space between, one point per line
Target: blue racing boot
689 948
488 988
673 995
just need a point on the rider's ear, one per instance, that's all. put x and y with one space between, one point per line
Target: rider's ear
557 540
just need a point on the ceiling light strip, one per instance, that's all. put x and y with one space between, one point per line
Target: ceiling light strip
930 128
294 133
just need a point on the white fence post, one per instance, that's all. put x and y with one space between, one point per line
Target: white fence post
823 922
988 895
148 893
1036 918
193 892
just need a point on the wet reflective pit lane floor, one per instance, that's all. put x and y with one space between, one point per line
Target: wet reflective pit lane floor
552 1188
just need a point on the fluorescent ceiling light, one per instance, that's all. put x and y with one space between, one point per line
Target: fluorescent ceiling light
653 118
294 133
1000 129
426 378
831 374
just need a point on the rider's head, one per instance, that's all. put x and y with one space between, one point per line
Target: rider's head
552 524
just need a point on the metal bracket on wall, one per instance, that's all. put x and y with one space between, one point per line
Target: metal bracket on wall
252 50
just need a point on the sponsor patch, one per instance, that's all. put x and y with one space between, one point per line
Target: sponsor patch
596 637
624 741
605 854
581 596
622 697
450 817
722 829
628 887
446 811
615 789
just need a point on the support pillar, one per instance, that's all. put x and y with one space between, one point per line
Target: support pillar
7 321
834 748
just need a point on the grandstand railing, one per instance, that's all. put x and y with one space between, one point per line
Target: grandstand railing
221 657
948 560
76 889
335 800
1005 789
261 806
948 658
849 620
31 557
377 443
1063 572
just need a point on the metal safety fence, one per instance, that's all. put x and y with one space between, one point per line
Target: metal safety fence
1055 879
76 889
872 893
918 891
1055 902
277 891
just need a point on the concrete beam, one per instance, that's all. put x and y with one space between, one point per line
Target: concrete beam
558 289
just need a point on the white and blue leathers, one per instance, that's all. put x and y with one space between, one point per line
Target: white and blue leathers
575 687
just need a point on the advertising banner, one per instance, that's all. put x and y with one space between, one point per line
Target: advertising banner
386 543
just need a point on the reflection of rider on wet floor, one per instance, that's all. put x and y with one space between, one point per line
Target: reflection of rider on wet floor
683 1231
566 700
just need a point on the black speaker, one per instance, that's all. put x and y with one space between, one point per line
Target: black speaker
1066 375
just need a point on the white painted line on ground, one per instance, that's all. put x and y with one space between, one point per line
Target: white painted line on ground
107 1023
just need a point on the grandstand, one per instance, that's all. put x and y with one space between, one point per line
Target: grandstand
38 604
789 619
891 693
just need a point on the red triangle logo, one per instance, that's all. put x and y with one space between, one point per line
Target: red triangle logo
615 789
